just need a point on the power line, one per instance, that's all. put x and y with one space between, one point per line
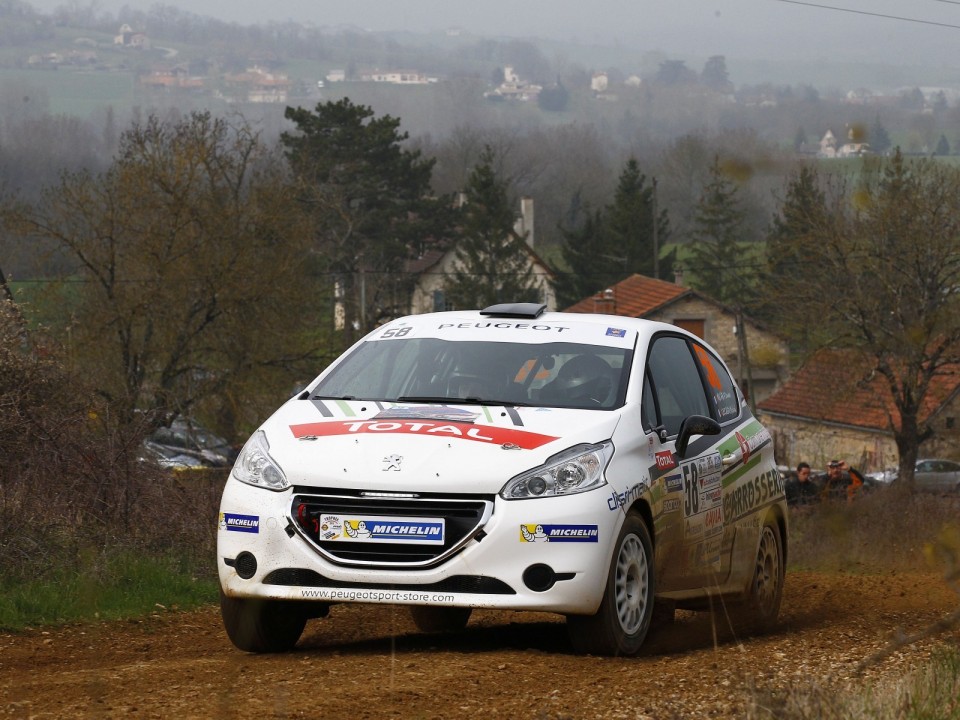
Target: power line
873 14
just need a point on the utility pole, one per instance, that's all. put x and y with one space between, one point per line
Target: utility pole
656 240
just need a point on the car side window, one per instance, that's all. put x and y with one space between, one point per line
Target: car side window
721 391
675 382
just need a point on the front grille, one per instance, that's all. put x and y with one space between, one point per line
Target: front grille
476 584
463 518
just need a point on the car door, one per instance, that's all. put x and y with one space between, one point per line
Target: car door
684 379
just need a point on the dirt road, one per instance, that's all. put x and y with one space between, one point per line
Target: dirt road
369 662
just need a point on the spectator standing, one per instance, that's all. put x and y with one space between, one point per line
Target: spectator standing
802 489
842 481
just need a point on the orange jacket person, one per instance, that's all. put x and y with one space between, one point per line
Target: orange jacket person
842 480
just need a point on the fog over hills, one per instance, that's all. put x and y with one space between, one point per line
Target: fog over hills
849 31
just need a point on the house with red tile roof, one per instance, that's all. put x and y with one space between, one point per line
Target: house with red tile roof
640 296
835 406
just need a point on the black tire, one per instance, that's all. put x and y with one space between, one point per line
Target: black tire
262 626
440 619
762 606
620 625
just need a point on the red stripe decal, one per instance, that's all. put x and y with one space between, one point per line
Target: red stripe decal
441 429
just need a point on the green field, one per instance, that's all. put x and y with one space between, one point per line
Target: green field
74 92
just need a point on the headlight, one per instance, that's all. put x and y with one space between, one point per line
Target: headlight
572 471
255 466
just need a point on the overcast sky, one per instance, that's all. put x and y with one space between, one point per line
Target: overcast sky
764 28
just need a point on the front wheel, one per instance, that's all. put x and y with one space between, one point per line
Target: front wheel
262 626
623 619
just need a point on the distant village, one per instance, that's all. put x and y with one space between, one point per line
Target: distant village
258 83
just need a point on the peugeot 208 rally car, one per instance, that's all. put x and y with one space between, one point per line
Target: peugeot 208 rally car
589 465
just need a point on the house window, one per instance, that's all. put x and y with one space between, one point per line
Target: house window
950 423
694 326
439 301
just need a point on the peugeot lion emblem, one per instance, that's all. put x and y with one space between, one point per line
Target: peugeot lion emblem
392 462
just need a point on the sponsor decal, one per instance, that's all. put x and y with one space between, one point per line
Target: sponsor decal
671 505
558 533
427 412
621 500
701 483
713 521
503 326
240 523
747 496
725 403
673 483
744 447
616 332
693 529
378 529
707 364
749 445
665 460
446 430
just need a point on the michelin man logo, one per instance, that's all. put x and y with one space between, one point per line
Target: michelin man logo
536 535
360 531
392 462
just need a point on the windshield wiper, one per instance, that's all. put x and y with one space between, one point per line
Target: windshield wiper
334 397
459 401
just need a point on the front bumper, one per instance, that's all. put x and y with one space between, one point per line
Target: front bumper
509 563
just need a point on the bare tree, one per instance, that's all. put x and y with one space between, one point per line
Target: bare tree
884 278
187 270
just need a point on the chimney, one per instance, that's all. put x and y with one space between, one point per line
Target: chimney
678 275
524 224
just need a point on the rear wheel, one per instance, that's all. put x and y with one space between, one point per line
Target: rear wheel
766 589
623 619
439 619
262 626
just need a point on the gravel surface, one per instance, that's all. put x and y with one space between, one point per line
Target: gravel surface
370 662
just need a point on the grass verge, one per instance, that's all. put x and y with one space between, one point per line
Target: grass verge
109 585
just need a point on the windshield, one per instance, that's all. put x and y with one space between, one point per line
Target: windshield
571 375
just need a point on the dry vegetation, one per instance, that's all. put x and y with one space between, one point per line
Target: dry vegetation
74 486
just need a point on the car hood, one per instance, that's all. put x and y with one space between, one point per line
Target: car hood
422 448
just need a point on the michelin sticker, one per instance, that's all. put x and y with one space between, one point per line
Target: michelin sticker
559 533
239 523
377 529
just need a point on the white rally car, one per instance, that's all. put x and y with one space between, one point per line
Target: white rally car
589 465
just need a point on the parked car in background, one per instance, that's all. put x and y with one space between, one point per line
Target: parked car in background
587 465
932 474
937 474
187 444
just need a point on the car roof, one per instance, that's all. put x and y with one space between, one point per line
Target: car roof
540 325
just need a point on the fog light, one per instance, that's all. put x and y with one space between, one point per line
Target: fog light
539 577
245 565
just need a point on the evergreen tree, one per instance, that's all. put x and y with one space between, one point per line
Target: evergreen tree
800 138
878 137
803 211
584 252
630 225
717 225
715 75
943 147
372 203
492 261
617 241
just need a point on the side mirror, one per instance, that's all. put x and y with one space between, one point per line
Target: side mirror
694 425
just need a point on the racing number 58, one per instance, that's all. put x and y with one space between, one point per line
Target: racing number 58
396 332
691 493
